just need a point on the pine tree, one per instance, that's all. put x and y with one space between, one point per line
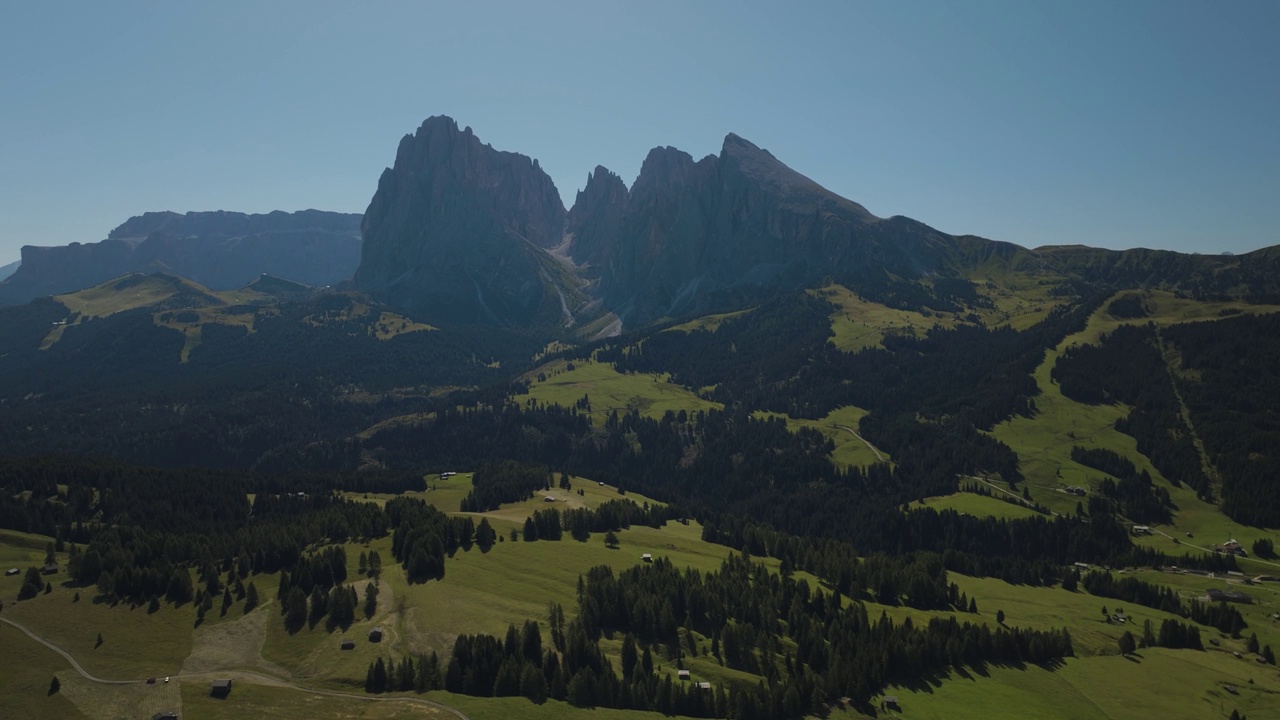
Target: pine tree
55 685
630 656
531 643
485 535
370 599
507 682
31 584
250 598
533 684
1126 643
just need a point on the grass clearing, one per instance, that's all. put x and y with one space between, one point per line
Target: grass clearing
247 699
1043 443
484 592
710 323
390 324
1043 608
74 626
27 669
978 505
840 426
1019 299
515 707
1154 683
121 702
236 643
609 390
861 324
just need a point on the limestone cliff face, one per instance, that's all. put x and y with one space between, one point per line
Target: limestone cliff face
457 231
595 220
221 250
691 236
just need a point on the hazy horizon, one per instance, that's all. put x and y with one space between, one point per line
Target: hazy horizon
1141 125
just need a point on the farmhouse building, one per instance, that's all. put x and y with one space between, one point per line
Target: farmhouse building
704 686
891 702
165 716
375 635
1141 530
347 644
49 569
11 571
647 557
682 674
1217 595
548 498
221 688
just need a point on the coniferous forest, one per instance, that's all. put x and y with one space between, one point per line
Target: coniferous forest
168 519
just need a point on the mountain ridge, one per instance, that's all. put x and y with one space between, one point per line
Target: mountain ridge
220 249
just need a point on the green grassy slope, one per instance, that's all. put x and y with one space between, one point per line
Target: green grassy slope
609 390
978 506
1044 442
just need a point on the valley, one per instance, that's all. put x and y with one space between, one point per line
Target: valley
718 443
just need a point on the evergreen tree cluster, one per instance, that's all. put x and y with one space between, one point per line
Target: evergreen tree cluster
405 675
752 616
1128 367
1133 590
508 482
422 535
1231 386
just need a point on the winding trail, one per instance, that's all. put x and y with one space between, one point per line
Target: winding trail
259 678
1021 500
864 441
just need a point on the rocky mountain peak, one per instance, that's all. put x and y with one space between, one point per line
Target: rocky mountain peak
597 210
456 227
665 169
741 156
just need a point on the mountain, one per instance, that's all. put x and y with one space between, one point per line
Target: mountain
464 233
730 229
11 268
459 231
221 250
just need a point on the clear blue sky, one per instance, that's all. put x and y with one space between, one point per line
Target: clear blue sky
1119 124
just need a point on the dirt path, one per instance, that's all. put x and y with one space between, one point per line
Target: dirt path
257 678
864 441
66 656
1210 551
1021 501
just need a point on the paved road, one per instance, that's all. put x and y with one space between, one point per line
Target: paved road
243 674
